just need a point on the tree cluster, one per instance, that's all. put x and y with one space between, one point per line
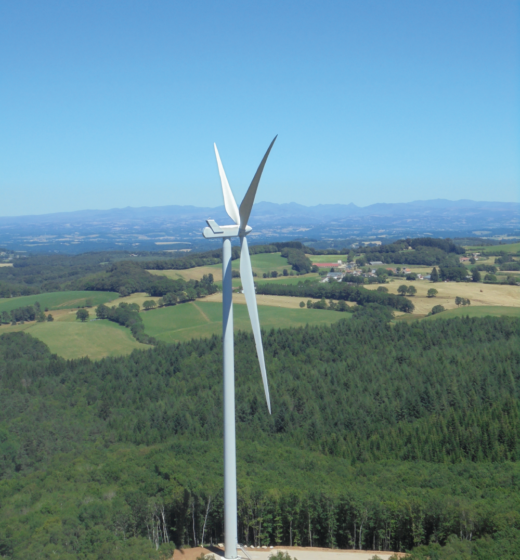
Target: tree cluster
127 277
336 291
127 315
22 314
297 259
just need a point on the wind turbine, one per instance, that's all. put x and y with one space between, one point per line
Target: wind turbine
240 229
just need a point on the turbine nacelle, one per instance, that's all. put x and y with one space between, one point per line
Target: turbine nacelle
215 231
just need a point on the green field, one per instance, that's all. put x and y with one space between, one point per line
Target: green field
202 319
290 280
58 300
73 339
508 248
265 262
328 258
477 311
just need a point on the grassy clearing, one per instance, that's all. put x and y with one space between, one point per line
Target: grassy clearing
58 300
479 294
327 258
479 311
204 318
138 297
72 339
191 273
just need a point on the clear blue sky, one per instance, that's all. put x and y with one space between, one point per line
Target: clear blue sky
117 103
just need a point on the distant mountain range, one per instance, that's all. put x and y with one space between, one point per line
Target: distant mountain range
266 210
179 227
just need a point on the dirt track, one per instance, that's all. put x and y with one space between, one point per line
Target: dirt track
295 552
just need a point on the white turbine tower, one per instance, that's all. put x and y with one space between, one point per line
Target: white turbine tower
240 229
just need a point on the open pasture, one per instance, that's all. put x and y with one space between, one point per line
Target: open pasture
477 293
204 318
327 258
477 311
506 248
262 263
58 300
195 273
72 339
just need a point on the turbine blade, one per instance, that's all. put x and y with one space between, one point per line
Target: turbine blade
246 275
249 199
229 199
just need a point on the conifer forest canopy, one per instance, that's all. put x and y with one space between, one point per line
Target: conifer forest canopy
383 436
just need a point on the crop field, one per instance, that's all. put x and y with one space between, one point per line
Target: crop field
204 318
58 300
477 293
72 339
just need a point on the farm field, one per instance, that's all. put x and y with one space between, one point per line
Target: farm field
204 318
508 248
477 293
328 258
264 262
72 339
195 273
58 300
478 311
287 302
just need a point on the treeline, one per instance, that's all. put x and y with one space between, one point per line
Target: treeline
381 436
22 314
297 259
15 290
337 291
127 277
127 315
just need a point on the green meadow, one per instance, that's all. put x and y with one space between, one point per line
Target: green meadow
508 248
476 311
72 339
202 319
265 262
58 300
327 258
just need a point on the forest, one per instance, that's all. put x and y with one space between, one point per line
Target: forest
383 436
